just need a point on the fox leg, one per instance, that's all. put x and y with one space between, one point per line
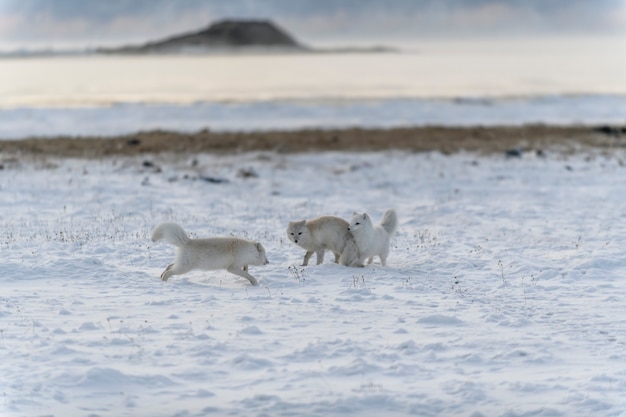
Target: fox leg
350 256
307 256
243 272
383 257
167 273
354 262
370 260
173 269
337 256
320 256
358 262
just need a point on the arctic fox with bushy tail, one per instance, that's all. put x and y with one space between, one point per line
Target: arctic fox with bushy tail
229 253
321 234
373 240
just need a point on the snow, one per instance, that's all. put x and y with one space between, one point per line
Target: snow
503 295
128 118
464 82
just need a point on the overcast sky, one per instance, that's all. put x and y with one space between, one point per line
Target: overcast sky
69 23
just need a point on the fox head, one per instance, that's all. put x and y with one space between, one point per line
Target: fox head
298 232
261 257
359 220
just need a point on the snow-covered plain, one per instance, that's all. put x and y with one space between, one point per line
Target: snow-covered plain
128 118
504 294
463 82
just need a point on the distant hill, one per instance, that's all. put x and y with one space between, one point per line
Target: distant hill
226 34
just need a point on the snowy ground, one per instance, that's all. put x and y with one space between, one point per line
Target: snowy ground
504 294
128 118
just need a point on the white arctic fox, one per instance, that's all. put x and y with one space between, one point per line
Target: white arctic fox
321 234
229 253
373 240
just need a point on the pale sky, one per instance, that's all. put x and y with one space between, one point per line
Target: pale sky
79 23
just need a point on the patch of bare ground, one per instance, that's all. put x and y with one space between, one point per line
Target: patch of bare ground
447 140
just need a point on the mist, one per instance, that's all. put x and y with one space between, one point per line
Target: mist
75 23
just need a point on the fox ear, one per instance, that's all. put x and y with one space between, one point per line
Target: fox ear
365 215
354 213
259 246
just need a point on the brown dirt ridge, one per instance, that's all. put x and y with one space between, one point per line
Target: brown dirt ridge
447 140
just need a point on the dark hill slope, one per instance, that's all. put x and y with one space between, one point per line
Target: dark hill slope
226 34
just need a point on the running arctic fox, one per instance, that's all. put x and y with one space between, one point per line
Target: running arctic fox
229 253
373 240
321 234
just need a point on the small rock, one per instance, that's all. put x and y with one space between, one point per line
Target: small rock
247 173
514 153
609 130
213 180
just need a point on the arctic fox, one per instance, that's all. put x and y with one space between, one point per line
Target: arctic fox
321 234
373 240
229 253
